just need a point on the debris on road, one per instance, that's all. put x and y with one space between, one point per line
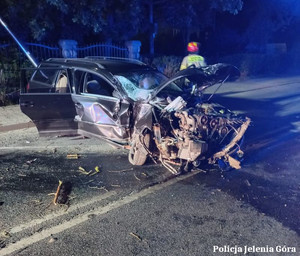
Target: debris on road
115 185
73 156
88 182
136 177
125 170
52 239
248 183
97 170
100 188
57 192
31 161
5 234
90 173
62 193
83 171
136 236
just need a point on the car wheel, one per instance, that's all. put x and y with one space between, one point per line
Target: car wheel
137 154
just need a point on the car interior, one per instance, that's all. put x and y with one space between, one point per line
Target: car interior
96 85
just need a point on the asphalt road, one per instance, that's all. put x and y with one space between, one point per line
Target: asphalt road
125 210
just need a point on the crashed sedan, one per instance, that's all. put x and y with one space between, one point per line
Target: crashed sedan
132 105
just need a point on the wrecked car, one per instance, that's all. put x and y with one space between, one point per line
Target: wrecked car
133 106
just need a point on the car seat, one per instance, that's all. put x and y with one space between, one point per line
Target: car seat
94 87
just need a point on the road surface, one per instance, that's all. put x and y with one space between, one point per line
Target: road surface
126 210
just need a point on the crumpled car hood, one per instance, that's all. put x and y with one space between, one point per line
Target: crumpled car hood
205 76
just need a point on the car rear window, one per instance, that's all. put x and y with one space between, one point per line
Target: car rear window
48 80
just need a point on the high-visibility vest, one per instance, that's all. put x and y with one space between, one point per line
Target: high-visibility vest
192 59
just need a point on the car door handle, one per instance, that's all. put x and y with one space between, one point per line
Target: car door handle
27 104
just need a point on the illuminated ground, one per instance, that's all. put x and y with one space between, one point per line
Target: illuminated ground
258 205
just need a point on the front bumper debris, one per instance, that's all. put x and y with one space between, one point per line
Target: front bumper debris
224 153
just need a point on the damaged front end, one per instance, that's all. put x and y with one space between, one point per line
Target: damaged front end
188 131
205 133
173 124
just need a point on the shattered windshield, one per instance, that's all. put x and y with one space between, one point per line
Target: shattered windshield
138 84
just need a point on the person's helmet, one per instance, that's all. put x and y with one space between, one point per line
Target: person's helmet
193 47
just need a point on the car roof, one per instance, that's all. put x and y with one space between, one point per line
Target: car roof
113 65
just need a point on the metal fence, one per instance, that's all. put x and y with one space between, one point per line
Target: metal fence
12 58
42 51
100 49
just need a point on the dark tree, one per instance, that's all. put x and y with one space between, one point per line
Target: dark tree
107 20
270 21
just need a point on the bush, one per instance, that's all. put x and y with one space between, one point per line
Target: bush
11 61
168 65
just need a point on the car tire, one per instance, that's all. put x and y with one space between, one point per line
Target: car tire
137 154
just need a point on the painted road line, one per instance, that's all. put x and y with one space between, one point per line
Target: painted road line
38 236
52 216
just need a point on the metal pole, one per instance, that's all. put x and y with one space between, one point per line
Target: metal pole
27 53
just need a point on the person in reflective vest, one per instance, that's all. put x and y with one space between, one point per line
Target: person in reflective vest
193 58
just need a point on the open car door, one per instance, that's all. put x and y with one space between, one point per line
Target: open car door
46 99
100 112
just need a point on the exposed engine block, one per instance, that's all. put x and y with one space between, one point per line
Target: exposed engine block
190 133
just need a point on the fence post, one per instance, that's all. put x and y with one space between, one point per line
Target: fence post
133 49
68 48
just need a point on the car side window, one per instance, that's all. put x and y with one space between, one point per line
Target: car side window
95 84
48 80
42 81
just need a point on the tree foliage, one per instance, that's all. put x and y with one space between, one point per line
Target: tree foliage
117 20
231 6
270 19
194 13
54 19
193 16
